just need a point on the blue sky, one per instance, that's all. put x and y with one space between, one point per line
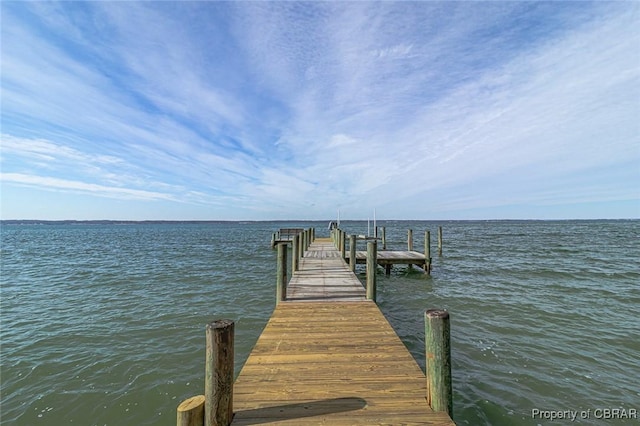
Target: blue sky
288 110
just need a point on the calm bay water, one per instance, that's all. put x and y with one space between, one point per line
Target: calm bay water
104 324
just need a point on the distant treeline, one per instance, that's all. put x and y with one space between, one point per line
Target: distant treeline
141 222
107 222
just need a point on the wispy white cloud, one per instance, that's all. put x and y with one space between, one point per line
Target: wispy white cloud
44 150
64 184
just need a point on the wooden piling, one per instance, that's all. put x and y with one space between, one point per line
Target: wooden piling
273 240
304 240
281 279
410 240
427 252
191 412
371 269
294 253
343 243
218 386
384 238
352 252
440 240
303 236
438 360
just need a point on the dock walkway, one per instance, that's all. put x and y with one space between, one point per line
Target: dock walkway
324 276
329 356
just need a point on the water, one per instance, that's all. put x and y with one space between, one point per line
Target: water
104 324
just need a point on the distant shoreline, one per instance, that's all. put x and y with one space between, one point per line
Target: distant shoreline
121 222
204 222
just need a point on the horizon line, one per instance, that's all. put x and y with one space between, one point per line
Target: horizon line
196 221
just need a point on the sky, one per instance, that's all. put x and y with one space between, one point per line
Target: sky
297 110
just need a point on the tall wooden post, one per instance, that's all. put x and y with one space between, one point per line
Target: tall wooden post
191 412
218 385
352 252
281 279
384 238
410 240
440 240
294 253
273 240
438 360
343 243
300 246
304 241
371 269
427 252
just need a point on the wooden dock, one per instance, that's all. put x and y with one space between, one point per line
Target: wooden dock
329 356
326 356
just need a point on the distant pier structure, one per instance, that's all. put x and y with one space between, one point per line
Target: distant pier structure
386 258
284 235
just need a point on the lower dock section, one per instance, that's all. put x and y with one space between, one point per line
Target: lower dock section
331 363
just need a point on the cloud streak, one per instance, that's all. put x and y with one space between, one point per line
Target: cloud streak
63 184
260 110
